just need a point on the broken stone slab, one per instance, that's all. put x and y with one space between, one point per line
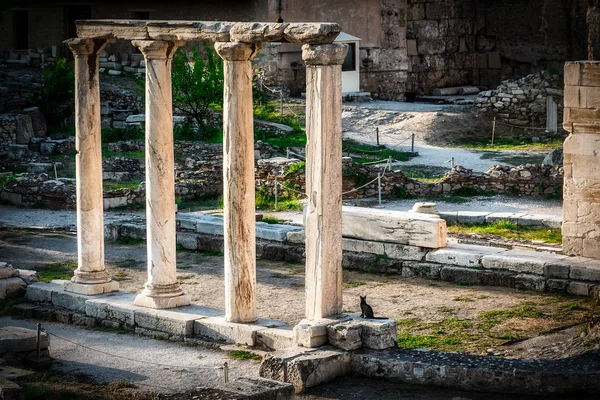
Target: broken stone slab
24 129
586 271
345 336
187 240
298 237
275 232
7 271
521 261
12 287
217 329
41 292
462 255
257 32
178 321
393 226
276 338
260 389
305 368
20 340
425 208
314 333
312 33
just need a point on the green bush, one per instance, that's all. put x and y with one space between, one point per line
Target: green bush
110 135
197 83
56 99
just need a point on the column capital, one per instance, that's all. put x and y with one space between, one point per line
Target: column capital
324 54
237 51
86 46
158 49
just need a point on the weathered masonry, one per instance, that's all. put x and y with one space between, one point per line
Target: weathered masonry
237 44
581 207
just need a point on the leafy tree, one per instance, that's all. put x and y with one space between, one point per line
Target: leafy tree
57 91
197 83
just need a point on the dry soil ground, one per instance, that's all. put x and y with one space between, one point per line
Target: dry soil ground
431 313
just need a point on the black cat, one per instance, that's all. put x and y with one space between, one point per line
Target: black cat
367 310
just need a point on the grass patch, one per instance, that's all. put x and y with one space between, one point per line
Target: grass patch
56 270
509 230
424 173
492 318
295 168
113 186
110 135
463 298
374 153
512 143
296 139
128 240
244 355
120 276
287 199
272 220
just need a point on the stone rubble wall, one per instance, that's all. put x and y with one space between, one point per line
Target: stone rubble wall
522 102
21 127
200 174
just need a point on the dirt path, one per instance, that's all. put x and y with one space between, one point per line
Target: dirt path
448 316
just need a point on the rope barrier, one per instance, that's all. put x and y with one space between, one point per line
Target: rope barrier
129 359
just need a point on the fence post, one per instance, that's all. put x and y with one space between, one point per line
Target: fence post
276 193
493 130
412 143
379 187
377 134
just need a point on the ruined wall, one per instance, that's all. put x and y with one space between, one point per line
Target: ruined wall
482 42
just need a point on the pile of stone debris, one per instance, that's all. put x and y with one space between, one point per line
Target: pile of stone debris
523 101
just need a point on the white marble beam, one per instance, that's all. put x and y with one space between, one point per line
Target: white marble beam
323 179
162 290
238 182
91 276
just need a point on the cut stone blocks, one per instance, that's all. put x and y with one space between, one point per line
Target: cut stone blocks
345 336
462 255
260 389
314 333
276 338
305 368
118 308
219 330
176 322
394 227
521 261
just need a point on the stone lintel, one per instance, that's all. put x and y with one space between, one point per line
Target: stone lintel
83 46
324 54
237 51
212 31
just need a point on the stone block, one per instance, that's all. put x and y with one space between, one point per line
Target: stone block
297 237
496 278
24 310
18 340
29 277
404 252
69 300
305 369
411 47
393 227
430 46
415 12
579 288
378 334
179 321
259 389
24 129
83 320
276 338
91 289
119 308
42 291
345 335
557 270
187 240
363 246
422 269
530 282
471 217
422 29
461 255
458 274
314 333
587 271
63 316
521 261
557 285
275 232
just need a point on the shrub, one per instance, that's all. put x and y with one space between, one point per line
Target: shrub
56 99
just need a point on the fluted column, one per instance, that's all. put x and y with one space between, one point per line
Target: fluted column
323 220
238 182
162 290
91 276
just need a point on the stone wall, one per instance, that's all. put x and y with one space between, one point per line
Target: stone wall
523 101
581 207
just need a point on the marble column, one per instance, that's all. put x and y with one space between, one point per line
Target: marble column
238 182
323 218
91 276
162 290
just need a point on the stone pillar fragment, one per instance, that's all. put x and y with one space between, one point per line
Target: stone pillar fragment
162 290
238 182
323 219
91 276
581 204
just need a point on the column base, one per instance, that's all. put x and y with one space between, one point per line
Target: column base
143 300
91 289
